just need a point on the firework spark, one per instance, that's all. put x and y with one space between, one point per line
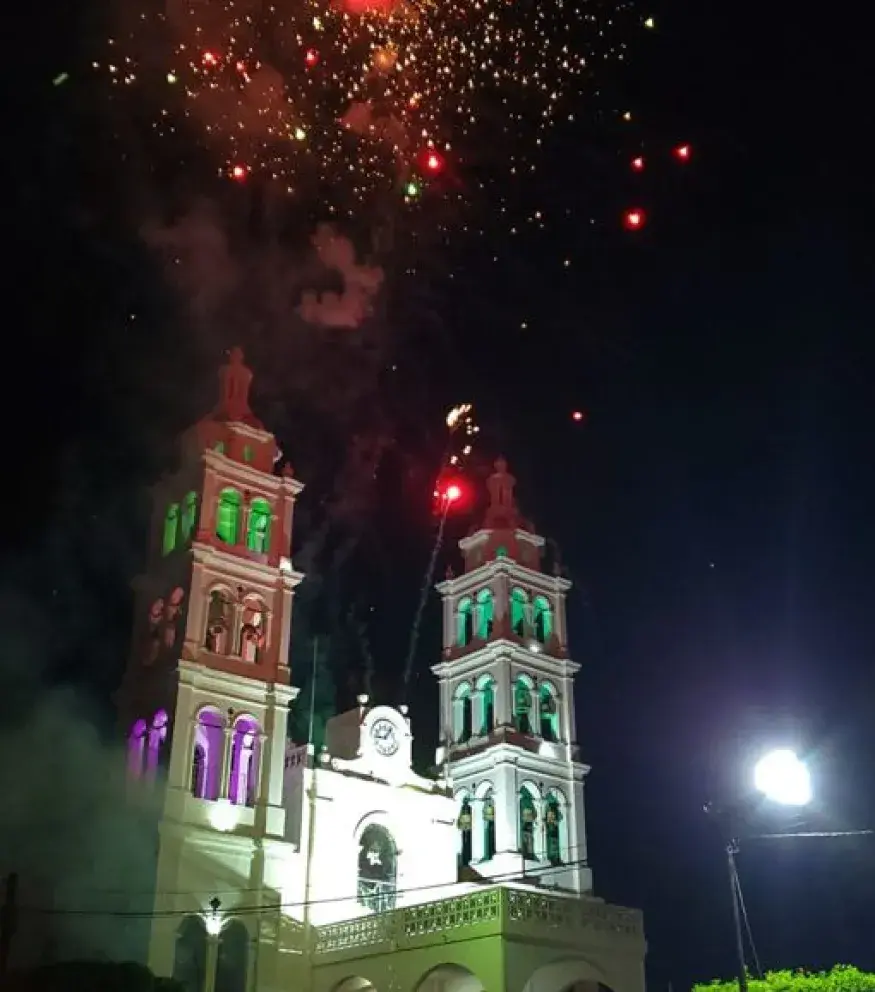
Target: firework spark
375 95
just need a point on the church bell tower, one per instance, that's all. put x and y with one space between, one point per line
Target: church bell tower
207 688
508 737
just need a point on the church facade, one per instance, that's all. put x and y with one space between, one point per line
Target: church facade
280 868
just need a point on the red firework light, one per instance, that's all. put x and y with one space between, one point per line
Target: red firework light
432 161
449 494
634 219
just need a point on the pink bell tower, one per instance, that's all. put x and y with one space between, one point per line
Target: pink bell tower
207 688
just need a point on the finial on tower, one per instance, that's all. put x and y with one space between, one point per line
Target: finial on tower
502 509
235 379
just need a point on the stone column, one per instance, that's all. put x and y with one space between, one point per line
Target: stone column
225 784
273 545
449 625
478 713
559 623
503 693
208 507
257 765
506 810
535 712
568 730
446 716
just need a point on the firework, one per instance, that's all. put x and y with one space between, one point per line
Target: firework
373 95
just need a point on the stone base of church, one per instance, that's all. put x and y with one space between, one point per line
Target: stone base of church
495 939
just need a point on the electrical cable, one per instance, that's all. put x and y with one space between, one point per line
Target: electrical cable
272 907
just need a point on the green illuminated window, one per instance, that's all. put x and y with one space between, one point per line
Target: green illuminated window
228 516
171 528
258 532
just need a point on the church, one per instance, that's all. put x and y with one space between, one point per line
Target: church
280 868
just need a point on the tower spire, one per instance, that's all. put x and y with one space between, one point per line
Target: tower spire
502 512
235 381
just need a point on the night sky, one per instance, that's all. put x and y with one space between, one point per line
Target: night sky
713 508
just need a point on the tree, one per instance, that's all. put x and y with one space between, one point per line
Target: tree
842 978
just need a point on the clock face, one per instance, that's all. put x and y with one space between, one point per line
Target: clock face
385 737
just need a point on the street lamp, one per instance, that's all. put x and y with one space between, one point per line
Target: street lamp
783 778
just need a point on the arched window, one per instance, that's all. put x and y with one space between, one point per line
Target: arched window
258 531
543 621
522 704
218 622
247 453
171 528
220 447
485 613
377 869
465 622
462 713
137 748
465 825
253 631
243 785
519 606
190 957
528 816
488 826
208 753
188 523
486 687
228 516
232 963
501 552
553 817
549 712
156 739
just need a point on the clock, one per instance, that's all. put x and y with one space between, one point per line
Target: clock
385 737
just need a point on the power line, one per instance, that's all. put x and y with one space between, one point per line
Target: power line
271 907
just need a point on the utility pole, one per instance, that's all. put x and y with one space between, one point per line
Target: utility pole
8 920
731 851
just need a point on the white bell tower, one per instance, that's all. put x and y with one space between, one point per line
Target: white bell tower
508 738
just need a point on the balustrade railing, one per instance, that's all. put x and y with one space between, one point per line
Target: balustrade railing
501 907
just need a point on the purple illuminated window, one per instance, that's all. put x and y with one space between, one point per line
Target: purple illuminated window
206 762
244 752
136 748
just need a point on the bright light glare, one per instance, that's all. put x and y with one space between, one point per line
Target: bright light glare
453 493
783 778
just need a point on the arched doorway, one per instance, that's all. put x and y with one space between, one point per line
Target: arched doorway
377 869
190 956
449 978
232 964
572 975
355 984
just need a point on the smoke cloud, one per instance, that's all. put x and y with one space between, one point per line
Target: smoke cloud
354 303
83 852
